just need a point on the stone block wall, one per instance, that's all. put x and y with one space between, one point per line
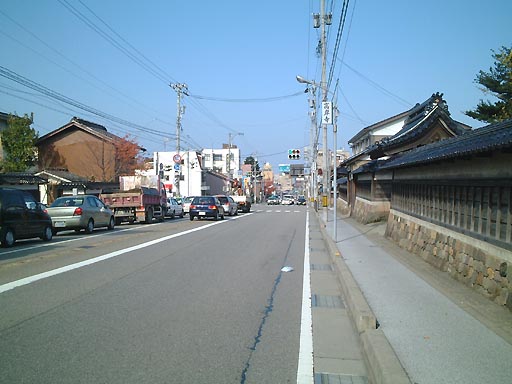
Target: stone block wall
366 211
479 265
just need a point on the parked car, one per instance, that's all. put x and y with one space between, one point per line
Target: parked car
287 200
80 212
21 217
301 200
186 203
273 200
229 205
206 206
173 208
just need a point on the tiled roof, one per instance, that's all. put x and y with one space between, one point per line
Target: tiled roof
62 174
99 129
489 138
379 124
421 119
371 166
16 178
93 128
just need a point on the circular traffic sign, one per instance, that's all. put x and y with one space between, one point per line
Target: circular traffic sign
177 158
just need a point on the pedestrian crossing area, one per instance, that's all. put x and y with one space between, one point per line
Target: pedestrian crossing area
276 210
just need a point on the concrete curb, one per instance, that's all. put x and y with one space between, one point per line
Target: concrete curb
383 364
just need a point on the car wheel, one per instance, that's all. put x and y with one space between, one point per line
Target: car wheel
8 238
47 233
111 223
191 217
149 216
216 217
173 214
181 216
90 226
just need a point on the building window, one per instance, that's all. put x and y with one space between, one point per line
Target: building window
207 157
217 157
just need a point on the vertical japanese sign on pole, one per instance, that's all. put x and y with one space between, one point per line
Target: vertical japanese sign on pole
327 112
327 119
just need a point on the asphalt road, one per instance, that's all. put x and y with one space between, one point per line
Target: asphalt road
173 302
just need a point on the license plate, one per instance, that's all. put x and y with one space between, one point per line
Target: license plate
202 213
59 224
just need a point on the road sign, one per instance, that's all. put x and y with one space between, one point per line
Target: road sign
327 112
176 167
177 158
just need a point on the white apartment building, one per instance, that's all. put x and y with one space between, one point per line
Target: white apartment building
183 176
217 160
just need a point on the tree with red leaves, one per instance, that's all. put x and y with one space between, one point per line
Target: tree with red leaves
128 156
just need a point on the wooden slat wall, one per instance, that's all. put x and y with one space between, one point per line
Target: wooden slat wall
482 210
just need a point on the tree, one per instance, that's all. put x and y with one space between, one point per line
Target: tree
18 141
497 82
128 156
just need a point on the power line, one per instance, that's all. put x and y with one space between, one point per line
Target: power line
341 26
66 58
113 41
253 100
4 72
126 42
378 86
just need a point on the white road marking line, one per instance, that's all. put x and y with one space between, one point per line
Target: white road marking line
44 275
305 366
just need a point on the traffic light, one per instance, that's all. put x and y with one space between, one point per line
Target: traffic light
294 154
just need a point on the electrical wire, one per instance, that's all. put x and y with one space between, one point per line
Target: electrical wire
341 26
113 41
155 66
254 100
13 76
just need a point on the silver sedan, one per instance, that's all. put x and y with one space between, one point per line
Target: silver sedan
80 212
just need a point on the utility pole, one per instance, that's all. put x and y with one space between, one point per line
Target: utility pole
312 150
180 89
323 84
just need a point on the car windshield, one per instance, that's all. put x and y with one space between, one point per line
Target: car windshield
188 199
223 199
68 202
203 200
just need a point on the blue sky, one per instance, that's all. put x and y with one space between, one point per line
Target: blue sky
244 55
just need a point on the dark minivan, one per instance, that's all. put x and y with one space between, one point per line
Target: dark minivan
21 217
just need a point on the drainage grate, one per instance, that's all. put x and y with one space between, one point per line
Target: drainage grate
325 301
327 378
321 267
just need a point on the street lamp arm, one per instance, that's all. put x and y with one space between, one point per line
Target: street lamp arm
313 83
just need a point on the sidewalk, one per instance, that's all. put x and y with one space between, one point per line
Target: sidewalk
337 356
440 330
